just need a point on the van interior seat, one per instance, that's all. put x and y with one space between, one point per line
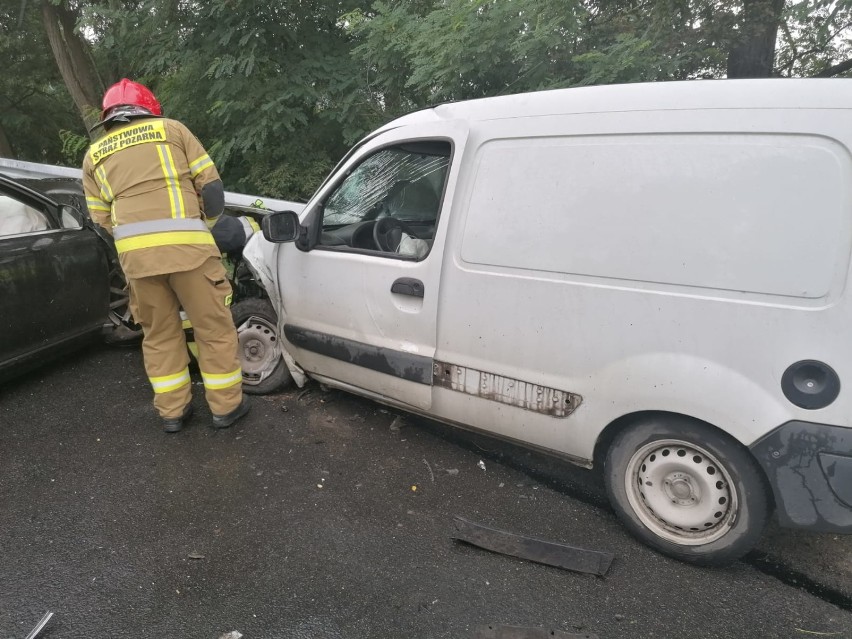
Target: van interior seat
17 218
413 201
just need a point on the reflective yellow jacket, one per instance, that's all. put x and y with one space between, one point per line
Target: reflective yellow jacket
143 183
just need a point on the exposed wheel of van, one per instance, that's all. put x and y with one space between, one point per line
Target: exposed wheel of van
264 369
687 490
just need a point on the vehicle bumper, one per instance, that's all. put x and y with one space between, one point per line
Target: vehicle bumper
809 467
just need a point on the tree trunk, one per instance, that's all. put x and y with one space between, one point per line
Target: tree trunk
5 145
75 66
752 54
837 69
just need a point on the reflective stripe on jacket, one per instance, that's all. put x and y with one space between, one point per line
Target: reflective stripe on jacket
140 235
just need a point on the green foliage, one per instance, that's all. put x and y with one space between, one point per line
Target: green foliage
815 35
34 104
277 91
74 146
262 84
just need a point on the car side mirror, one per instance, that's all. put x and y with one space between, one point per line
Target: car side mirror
280 226
71 217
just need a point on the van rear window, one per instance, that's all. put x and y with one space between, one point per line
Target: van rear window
768 214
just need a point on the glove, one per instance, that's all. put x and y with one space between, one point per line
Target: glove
211 221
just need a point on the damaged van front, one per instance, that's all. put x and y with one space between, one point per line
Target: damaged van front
651 278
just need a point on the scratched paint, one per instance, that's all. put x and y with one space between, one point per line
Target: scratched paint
505 390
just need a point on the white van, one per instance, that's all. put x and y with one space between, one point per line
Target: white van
652 277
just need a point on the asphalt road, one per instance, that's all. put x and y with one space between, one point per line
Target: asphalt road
313 518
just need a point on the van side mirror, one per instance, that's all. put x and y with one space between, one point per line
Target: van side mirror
280 226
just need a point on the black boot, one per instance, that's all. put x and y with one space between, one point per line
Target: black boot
174 424
224 421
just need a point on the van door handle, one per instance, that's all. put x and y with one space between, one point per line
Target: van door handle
408 286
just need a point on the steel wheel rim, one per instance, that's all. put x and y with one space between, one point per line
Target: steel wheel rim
119 300
259 351
681 492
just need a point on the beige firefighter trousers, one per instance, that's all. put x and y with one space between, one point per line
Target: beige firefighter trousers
204 293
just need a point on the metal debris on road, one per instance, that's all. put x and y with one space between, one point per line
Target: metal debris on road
481 464
429 468
519 632
195 555
40 625
232 635
537 550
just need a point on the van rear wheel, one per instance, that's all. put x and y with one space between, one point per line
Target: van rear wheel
687 490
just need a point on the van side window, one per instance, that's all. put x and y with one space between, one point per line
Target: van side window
390 201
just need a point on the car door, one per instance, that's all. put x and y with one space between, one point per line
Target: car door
360 305
53 274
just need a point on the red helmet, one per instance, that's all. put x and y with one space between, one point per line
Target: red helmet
129 93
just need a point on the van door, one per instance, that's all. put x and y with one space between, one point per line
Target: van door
360 304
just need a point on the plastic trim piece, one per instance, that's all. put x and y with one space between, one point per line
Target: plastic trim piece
805 464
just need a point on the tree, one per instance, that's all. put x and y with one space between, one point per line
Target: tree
34 104
278 90
270 88
72 56
816 39
428 51
752 54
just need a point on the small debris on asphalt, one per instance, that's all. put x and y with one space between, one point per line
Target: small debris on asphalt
429 468
619 617
481 464
532 549
451 471
195 555
232 635
284 409
397 424
414 489
520 632
40 625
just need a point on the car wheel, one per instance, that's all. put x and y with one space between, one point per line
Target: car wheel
264 368
687 490
124 328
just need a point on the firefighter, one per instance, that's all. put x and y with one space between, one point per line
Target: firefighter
146 180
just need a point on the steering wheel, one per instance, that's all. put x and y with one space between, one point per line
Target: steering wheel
387 233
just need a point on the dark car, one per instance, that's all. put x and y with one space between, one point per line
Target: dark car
55 271
60 206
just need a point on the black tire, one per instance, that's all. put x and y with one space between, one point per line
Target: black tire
687 490
256 323
121 328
